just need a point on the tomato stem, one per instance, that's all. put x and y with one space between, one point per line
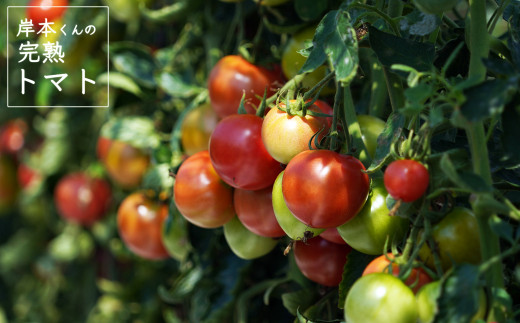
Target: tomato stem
354 137
479 49
336 109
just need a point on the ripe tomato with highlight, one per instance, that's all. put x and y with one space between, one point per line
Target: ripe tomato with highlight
200 195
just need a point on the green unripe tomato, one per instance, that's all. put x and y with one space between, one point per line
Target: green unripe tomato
293 227
369 229
292 61
427 303
380 298
244 243
371 127
435 7
457 239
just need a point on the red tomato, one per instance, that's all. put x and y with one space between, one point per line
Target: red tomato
125 164
324 189
285 135
239 155
200 195
417 278
406 180
41 9
325 108
255 211
82 199
27 176
140 221
320 260
231 77
12 136
332 235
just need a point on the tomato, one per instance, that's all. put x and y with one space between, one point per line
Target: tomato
200 195
380 298
435 7
371 127
381 264
320 260
244 243
255 211
125 164
292 61
82 199
406 180
293 227
368 230
27 176
8 183
125 10
326 109
239 155
456 238
231 77
285 135
196 129
40 9
12 136
427 303
140 222
175 236
324 189
332 235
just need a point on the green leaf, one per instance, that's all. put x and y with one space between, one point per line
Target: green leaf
120 81
335 40
158 178
511 131
134 60
487 99
353 269
183 286
300 299
175 234
174 85
459 298
392 50
501 228
512 16
309 10
137 131
391 132
465 180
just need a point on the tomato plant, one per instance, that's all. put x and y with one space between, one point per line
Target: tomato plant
244 243
38 10
124 163
368 230
140 221
27 176
371 128
406 180
417 278
324 189
380 298
293 227
82 199
200 195
455 238
196 129
255 210
239 155
285 135
231 77
320 260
